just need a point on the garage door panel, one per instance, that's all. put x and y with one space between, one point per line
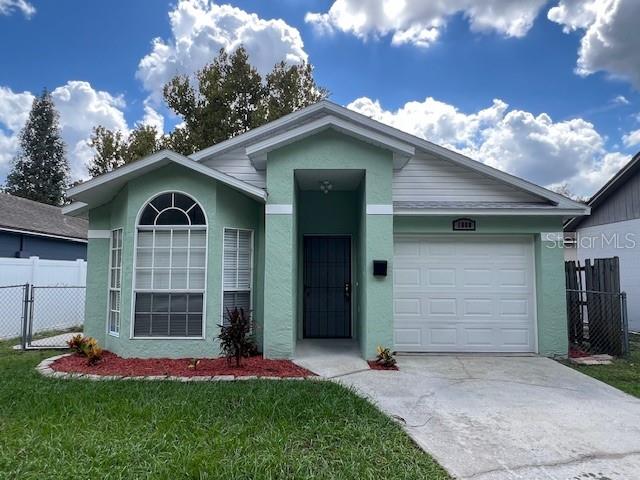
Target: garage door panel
464 294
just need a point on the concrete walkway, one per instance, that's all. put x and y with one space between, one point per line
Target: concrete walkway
56 341
494 418
330 358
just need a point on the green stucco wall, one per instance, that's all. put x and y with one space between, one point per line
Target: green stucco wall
326 150
549 264
223 206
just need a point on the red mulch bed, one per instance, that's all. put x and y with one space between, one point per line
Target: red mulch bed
112 364
373 365
577 352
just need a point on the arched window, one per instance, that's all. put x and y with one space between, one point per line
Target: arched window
170 268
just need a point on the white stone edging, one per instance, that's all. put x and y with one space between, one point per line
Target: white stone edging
44 369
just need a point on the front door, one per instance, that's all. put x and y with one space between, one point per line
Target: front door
327 287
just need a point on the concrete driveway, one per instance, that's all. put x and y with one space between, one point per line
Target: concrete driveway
510 417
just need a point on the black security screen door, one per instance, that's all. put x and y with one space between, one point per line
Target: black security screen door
327 287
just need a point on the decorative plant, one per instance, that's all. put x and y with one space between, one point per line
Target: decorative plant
385 357
76 342
236 340
193 364
86 346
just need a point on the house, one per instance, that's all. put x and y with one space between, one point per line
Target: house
33 229
325 224
613 230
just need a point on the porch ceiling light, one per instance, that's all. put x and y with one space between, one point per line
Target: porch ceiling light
326 186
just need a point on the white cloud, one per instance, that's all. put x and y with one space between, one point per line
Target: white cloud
80 106
152 118
620 100
200 28
14 111
7 7
631 139
420 22
610 42
527 145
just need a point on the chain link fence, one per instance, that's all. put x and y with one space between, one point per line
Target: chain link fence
597 322
12 314
41 316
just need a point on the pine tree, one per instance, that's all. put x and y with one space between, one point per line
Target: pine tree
40 170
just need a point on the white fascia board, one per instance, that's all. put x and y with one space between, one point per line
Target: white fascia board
256 152
160 159
75 209
46 235
330 108
536 212
247 137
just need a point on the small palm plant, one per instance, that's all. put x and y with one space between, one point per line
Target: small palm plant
236 339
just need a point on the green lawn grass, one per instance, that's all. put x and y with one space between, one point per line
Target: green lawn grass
54 429
623 373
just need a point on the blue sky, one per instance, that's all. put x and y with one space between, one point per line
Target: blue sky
560 126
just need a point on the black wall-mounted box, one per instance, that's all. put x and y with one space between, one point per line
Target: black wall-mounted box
380 268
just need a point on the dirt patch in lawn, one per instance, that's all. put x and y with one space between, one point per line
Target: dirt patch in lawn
112 364
373 365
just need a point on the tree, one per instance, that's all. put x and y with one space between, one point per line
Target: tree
112 150
563 189
224 99
289 88
109 148
142 141
40 170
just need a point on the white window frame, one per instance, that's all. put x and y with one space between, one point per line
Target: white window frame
110 307
251 260
203 291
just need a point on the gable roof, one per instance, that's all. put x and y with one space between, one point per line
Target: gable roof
101 189
291 126
26 216
608 189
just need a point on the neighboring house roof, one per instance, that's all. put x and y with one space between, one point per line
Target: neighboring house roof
99 190
609 188
26 216
256 143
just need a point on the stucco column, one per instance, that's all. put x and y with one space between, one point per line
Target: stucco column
551 299
377 328
279 291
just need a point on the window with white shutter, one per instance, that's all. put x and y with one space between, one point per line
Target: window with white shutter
237 270
115 281
170 268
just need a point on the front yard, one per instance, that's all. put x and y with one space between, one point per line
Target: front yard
52 429
623 374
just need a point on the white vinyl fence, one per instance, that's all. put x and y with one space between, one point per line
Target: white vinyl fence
53 308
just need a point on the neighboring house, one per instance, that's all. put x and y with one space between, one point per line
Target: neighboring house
325 224
613 230
33 229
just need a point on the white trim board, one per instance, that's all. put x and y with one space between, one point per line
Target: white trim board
100 190
279 209
379 209
99 234
327 108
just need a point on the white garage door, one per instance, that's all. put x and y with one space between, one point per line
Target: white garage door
464 294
